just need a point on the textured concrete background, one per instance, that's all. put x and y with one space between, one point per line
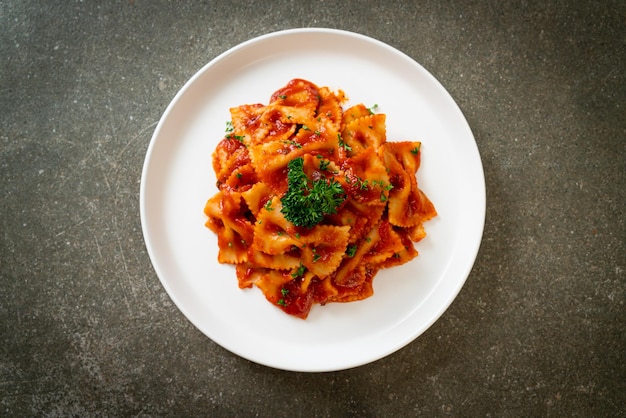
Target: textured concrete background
86 327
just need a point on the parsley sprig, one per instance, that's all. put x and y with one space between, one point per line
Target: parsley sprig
307 202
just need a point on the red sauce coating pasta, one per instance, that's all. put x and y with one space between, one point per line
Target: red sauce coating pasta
377 210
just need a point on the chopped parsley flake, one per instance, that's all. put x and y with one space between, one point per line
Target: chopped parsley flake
294 143
363 184
239 138
299 272
343 144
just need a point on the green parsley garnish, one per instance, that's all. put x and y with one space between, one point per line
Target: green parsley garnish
268 206
294 143
229 126
343 144
415 150
373 109
239 138
282 96
363 184
351 251
324 165
307 202
299 272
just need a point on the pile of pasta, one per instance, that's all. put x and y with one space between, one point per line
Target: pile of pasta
379 218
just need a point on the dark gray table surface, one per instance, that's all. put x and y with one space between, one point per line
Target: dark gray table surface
86 326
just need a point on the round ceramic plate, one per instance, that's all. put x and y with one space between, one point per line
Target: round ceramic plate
178 178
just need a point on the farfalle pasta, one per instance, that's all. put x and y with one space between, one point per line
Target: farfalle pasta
312 200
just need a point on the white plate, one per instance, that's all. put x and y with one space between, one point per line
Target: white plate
178 178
